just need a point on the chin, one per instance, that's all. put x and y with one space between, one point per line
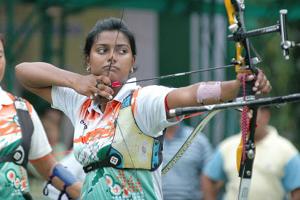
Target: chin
114 77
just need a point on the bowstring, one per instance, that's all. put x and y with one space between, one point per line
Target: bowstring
113 112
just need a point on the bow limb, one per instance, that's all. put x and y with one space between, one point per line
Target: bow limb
189 140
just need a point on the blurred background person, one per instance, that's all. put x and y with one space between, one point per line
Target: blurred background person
183 179
75 168
276 168
23 140
51 119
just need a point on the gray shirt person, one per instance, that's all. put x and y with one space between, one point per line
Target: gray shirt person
183 180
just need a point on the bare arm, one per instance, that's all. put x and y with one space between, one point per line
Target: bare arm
39 77
187 96
210 188
45 166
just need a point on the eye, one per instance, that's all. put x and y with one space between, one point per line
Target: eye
123 50
101 50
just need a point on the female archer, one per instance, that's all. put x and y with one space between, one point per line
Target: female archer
119 125
23 139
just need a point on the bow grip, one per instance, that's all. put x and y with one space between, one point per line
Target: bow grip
246 90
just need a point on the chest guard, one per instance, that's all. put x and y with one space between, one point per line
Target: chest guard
130 148
19 155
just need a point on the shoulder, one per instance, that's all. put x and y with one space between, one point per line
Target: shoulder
155 90
57 90
202 139
151 96
29 106
230 141
285 145
229 145
63 97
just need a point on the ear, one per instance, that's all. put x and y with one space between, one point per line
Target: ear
133 61
87 60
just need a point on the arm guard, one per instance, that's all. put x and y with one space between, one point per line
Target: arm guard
64 175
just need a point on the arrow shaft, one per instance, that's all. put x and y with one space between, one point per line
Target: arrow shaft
258 102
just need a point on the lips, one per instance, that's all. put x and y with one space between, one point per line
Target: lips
111 68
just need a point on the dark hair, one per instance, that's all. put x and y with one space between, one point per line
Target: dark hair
110 24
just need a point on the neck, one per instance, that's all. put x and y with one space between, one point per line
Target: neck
169 135
170 132
261 133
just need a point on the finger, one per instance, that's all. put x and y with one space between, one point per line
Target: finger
260 74
267 88
258 92
260 77
102 87
98 84
103 91
261 83
104 80
250 114
250 77
101 94
257 86
93 94
105 95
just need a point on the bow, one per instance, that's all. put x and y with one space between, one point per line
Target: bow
245 65
198 129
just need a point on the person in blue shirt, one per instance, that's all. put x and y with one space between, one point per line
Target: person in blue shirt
183 180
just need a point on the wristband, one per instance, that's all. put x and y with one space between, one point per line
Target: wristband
209 91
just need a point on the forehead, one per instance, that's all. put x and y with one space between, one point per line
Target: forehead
111 37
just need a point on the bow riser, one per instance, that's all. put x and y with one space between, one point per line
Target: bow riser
244 67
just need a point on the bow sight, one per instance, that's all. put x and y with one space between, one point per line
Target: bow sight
280 27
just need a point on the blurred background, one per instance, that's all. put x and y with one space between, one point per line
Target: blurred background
172 36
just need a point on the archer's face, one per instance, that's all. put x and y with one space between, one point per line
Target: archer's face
111 55
2 61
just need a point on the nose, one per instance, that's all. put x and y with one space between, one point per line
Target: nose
112 57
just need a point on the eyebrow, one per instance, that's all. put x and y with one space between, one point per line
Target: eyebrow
118 45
